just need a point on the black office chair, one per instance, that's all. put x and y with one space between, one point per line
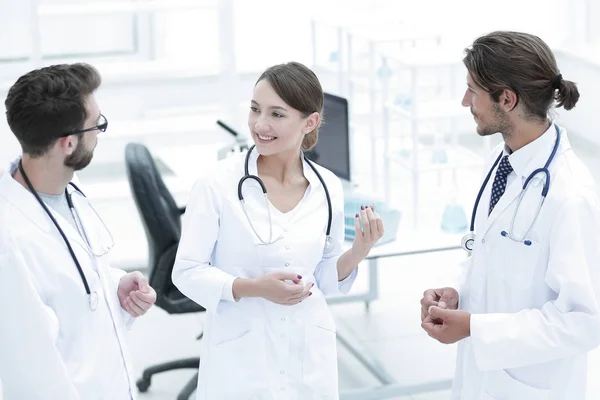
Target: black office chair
161 218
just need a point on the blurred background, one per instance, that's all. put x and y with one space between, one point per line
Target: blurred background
395 133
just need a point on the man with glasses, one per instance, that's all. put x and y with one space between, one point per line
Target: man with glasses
64 311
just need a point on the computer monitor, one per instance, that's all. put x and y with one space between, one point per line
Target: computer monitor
333 147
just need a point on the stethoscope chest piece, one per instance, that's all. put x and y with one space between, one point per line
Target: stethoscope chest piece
468 242
93 299
329 245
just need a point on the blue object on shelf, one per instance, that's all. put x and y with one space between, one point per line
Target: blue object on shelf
403 101
334 56
384 71
439 157
454 219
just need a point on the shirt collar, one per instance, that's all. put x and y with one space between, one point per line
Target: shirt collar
521 159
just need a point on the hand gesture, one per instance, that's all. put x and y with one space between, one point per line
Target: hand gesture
272 286
135 294
443 298
447 326
370 233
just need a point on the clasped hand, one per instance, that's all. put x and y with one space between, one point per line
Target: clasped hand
440 316
273 287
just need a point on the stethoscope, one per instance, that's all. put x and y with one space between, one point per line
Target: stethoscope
329 243
468 241
92 295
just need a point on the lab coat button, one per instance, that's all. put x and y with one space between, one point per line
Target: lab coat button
283 319
285 230
282 336
282 389
282 372
287 247
287 264
482 240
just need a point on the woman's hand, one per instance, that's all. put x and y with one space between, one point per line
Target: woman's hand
370 233
273 287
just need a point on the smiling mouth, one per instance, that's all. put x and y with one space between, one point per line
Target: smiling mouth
266 138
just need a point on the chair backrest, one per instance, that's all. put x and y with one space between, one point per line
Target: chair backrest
162 223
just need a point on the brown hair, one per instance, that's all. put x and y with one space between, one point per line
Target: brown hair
48 102
524 64
300 88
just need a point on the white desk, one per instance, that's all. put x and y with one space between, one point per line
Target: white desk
407 243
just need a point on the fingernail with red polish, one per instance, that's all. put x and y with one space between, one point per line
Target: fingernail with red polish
299 277
356 215
310 293
362 207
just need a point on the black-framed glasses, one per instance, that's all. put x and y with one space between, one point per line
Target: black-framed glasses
102 125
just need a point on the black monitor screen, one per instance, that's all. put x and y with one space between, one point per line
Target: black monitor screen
333 147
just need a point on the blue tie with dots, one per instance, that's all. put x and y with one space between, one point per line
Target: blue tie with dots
500 181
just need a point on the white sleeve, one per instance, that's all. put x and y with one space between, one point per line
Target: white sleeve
193 273
30 365
326 273
566 326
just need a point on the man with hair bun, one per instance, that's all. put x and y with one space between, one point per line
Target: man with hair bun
526 314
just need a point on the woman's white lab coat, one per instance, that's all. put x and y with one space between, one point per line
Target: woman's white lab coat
255 349
52 346
534 308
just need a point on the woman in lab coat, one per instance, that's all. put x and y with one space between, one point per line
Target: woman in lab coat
64 310
527 313
262 267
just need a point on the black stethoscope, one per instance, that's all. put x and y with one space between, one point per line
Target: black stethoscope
468 240
329 244
92 296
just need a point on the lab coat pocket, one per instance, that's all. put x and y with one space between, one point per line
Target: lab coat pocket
514 262
319 367
237 360
499 385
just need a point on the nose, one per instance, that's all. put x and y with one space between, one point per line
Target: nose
466 101
260 125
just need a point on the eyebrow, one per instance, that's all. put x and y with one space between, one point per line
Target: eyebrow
272 107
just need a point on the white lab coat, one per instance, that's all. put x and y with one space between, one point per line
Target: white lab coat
534 308
52 346
255 349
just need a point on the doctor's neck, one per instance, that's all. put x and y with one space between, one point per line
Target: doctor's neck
523 132
47 174
285 168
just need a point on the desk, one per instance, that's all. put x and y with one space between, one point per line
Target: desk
406 244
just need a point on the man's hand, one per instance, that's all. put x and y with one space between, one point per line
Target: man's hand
447 326
135 294
443 298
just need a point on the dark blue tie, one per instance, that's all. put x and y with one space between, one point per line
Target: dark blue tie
500 181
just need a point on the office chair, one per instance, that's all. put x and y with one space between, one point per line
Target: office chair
161 218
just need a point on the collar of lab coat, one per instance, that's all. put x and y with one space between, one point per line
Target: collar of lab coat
532 159
309 174
23 200
525 160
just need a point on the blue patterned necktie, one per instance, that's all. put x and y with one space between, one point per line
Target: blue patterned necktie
500 181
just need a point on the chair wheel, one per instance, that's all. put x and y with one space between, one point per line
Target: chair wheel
143 385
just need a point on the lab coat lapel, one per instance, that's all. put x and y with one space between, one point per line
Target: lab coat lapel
24 201
70 232
510 195
514 190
